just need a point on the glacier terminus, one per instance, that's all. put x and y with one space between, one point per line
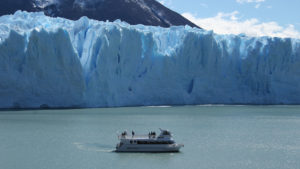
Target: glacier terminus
55 63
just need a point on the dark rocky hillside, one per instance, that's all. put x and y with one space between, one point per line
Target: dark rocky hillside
146 12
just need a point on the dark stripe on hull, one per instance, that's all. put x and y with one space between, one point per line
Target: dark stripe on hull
148 149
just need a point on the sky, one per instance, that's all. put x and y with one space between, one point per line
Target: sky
276 18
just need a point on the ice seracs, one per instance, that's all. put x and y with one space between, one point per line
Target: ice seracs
164 142
55 62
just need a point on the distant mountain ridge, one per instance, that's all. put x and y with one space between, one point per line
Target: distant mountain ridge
146 12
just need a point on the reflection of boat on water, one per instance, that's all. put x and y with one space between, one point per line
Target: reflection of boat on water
148 143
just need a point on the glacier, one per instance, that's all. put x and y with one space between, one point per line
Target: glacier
58 63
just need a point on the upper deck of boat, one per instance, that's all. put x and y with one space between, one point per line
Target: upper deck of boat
164 135
138 137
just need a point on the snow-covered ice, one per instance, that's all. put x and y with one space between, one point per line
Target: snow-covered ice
55 62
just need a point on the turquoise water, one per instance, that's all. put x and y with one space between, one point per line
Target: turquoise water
221 137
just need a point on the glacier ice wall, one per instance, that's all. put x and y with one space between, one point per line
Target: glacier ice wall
54 62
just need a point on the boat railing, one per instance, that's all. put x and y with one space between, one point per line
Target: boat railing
136 136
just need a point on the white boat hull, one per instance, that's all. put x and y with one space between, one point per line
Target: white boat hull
149 148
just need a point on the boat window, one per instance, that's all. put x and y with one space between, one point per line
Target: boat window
130 141
155 142
167 133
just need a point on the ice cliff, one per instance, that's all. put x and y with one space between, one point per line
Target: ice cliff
55 62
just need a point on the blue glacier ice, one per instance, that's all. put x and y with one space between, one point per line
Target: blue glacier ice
55 62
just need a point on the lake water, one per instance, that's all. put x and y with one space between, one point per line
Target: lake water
215 137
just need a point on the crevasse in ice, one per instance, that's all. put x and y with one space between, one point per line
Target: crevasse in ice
55 62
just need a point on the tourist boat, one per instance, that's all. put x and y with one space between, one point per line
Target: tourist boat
148 143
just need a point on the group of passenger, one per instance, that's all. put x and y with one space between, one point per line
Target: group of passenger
124 133
152 134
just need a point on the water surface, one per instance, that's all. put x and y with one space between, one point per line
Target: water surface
222 137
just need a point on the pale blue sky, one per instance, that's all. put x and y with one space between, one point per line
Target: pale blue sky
275 16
